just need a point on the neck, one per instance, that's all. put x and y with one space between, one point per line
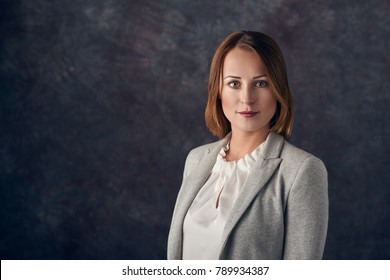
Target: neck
243 143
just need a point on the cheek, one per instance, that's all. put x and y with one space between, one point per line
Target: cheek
228 100
269 102
225 106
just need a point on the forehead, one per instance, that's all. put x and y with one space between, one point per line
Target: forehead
243 61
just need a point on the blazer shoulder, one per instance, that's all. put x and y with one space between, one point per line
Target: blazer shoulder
196 155
294 158
202 150
291 152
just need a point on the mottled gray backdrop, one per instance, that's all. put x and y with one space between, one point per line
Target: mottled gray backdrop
100 101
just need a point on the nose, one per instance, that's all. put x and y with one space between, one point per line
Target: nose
247 96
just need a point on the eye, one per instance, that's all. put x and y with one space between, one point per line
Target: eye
261 84
234 84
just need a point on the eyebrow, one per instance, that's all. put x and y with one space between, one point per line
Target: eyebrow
236 77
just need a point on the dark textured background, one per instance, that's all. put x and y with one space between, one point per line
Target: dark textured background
100 101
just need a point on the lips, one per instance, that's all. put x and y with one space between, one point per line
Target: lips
248 114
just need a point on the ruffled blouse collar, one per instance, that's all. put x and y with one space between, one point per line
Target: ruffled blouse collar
245 162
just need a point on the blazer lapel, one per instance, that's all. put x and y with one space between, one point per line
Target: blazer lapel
191 186
199 176
258 177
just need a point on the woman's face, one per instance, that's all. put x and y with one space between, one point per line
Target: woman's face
248 101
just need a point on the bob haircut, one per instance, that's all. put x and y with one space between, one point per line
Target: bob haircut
272 57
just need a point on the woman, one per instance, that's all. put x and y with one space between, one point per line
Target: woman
251 195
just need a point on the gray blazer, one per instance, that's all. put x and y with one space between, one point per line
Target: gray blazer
281 213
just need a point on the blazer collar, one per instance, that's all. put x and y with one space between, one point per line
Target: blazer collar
190 188
272 146
199 176
257 179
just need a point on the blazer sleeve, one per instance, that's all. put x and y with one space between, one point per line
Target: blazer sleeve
306 215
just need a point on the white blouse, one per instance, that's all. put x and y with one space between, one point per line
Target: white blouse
206 218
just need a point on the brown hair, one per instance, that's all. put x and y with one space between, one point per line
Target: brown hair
272 57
